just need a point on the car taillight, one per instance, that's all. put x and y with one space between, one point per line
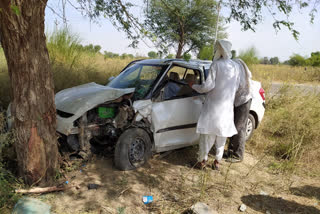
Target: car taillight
261 92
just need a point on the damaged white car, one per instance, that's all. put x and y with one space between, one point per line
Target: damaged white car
147 108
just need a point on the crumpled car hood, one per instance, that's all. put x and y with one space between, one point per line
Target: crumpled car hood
79 99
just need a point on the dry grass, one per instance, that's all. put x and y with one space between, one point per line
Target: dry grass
68 72
290 131
285 73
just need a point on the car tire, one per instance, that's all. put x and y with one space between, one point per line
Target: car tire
133 149
251 125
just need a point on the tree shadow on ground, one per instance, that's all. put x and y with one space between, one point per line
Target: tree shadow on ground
306 191
262 203
113 185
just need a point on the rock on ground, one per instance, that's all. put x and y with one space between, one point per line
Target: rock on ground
202 208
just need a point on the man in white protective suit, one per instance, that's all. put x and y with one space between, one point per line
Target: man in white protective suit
216 121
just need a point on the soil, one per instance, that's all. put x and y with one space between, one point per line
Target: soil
176 186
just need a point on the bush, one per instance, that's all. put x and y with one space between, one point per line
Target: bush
187 56
170 56
206 53
314 60
297 60
152 54
110 55
249 56
274 61
8 182
64 47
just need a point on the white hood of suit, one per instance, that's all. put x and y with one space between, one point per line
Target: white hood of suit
223 49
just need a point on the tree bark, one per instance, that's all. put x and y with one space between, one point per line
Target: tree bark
179 52
181 40
24 43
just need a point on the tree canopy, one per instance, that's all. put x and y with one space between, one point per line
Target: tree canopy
152 54
249 13
298 60
186 25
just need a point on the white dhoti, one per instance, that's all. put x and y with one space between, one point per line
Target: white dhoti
206 143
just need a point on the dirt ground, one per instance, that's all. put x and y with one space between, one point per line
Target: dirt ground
175 186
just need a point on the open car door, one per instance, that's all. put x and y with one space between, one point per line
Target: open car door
174 119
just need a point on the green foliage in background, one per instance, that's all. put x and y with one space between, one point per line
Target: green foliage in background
126 56
234 54
206 52
314 60
170 56
152 54
64 46
249 56
90 48
110 55
298 60
187 56
274 60
185 25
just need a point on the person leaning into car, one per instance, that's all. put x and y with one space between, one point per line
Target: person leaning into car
216 121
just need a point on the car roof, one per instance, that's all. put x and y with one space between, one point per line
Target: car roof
192 64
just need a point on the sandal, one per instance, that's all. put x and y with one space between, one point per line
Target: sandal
201 165
215 165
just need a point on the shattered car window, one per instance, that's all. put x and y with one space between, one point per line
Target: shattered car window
138 76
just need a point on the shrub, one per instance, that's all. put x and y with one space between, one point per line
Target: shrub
152 54
187 56
8 182
297 60
274 60
206 53
314 60
249 56
170 56
64 47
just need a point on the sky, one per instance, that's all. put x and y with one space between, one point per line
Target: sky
266 40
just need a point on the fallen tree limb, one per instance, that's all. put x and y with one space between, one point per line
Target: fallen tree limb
43 189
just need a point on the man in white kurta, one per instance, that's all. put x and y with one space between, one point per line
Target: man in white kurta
216 121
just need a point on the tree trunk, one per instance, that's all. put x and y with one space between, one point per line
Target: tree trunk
181 39
179 52
33 109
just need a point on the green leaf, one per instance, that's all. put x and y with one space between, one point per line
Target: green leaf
15 9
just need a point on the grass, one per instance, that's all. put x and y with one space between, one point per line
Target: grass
71 65
285 73
290 131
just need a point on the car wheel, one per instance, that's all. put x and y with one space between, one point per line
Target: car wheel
251 124
133 149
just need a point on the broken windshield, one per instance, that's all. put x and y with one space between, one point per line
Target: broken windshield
138 76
